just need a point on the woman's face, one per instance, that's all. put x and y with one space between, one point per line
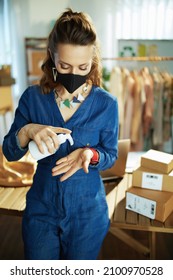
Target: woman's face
74 59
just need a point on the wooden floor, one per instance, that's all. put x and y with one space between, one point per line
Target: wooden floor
11 246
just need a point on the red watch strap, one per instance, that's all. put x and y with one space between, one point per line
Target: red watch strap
95 158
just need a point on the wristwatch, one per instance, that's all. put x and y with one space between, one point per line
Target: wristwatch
95 158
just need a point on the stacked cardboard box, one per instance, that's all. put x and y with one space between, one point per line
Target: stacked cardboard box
5 76
151 193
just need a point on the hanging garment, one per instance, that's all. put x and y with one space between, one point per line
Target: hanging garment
128 106
158 110
116 89
167 109
149 101
136 125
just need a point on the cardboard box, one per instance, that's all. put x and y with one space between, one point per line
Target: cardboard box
5 70
156 160
152 204
6 81
153 180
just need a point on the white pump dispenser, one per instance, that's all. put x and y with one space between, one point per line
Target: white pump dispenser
36 154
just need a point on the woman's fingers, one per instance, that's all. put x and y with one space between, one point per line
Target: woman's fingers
72 170
61 167
85 165
64 169
49 137
86 158
62 160
68 165
40 146
61 130
50 145
55 143
69 173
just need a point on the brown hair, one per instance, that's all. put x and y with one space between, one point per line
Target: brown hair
71 28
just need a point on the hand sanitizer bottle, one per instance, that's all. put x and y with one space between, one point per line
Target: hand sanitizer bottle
36 154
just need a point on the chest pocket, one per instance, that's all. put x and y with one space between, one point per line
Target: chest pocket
84 137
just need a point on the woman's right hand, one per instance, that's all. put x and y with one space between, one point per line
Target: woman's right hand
39 133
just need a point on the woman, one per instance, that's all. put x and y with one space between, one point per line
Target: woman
66 214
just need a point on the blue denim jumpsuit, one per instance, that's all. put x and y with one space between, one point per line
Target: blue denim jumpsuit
66 220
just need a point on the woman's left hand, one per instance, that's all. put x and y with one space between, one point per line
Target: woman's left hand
76 160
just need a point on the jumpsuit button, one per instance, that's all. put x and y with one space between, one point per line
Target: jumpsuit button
88 144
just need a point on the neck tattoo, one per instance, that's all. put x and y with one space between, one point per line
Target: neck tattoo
62 103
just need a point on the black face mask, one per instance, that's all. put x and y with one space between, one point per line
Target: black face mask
71 81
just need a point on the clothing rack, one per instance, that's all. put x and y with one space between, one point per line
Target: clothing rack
149 60
141 58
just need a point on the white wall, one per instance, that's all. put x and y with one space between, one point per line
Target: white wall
103 15
39 15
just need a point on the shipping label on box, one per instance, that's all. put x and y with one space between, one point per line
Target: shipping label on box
141 205
152 181
153 204
147 179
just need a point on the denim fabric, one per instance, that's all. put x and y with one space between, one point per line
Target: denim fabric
70 222
67 220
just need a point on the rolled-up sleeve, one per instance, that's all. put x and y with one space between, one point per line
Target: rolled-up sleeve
108 144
